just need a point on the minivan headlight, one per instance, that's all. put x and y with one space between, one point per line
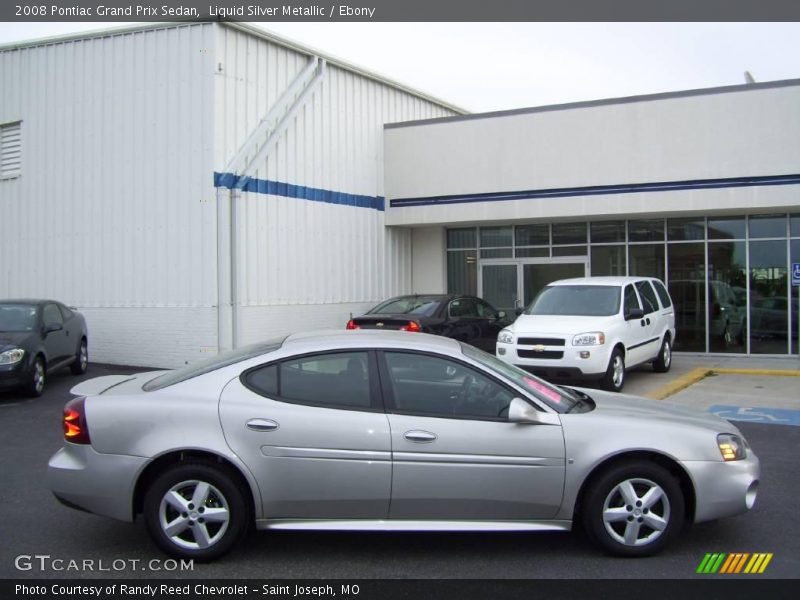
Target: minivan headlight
505 337
732 447
11 357
591 338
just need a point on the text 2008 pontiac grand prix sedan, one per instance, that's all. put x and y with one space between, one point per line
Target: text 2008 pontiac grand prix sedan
365 430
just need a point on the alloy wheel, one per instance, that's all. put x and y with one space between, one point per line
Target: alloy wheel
194 514
636 512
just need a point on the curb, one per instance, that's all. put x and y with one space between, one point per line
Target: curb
700 373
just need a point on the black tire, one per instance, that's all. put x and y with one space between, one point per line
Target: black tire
614 379
663 361
641 523
81 362
223 494
37 377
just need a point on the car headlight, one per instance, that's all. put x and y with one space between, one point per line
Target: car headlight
591 338
732 447
505 337
11 357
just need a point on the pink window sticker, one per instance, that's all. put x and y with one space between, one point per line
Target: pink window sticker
543 389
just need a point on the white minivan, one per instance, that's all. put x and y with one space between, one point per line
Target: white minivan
592 328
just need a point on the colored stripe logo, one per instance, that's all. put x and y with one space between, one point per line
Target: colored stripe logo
735 563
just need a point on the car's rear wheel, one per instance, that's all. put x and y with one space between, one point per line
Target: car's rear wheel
634 509
614 378
195 510
36 379
81 362
663 361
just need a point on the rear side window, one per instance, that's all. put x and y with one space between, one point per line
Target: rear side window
337 380
666 302
648 296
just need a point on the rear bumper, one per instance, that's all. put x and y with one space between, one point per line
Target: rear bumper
102 484
724 489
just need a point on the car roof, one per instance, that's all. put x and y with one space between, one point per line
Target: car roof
368 338
604 280
27 301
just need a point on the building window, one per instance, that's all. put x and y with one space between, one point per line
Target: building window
10 150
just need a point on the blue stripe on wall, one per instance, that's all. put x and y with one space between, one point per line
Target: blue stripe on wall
288 190
633 188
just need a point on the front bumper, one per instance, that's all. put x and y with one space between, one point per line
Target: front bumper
724 489
570 364
102 484
13 376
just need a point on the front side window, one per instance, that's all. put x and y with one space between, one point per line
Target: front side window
51 315
631 301
438 387
576 300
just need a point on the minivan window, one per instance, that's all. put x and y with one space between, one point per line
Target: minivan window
576 300
648 296
662 294
631 301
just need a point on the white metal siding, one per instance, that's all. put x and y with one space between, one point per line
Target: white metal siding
306 252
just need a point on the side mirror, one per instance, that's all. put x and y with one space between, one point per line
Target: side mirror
501 314
51 327
520 411
633 314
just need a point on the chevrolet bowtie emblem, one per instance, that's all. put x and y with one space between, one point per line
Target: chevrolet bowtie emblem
378 324
538 348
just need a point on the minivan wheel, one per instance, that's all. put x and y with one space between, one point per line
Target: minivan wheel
634 509
663 361
614 378
81 362
195 510
36 379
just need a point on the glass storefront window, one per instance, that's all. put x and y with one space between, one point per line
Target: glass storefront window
569 250
727 228
767 226
794 227
679 230
462 238
646 230
496 237
687 278
496 253
608 260
608 232
727 297
532 235
532 252
795 249
769 311
462 272
569 233
646 260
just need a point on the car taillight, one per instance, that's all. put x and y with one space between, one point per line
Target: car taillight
352 325
76 430
411 326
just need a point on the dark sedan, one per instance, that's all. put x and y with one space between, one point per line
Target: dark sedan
37 337
464 318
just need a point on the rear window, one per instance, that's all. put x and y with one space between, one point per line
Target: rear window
408 305
576 300
223 359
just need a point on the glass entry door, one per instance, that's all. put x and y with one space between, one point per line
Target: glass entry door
509 285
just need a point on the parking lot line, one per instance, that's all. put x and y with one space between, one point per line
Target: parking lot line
700 373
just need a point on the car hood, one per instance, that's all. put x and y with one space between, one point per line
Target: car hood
559 324
13 339
633 408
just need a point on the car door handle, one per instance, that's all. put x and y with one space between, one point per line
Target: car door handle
262 425
648 320
420 437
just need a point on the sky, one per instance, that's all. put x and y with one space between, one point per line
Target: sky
496 66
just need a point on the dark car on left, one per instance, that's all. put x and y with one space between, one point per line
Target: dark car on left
464 318
36 338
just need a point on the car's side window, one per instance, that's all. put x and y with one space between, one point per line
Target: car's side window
438 387
648 296
65 312
337 379
485 310
463 307
51 315
630 301
662 294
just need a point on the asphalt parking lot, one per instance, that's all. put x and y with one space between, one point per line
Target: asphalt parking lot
35 524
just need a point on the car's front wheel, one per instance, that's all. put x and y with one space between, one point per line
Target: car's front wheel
36 379
634 509
195 510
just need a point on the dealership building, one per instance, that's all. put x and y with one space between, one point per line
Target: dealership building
198 186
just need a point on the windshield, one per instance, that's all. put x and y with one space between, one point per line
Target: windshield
201 367
552 396
408 305
576 300
17 317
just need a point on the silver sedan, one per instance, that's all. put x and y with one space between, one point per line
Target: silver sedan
371 430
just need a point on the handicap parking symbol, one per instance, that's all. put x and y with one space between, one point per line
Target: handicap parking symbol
770 416
795 273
